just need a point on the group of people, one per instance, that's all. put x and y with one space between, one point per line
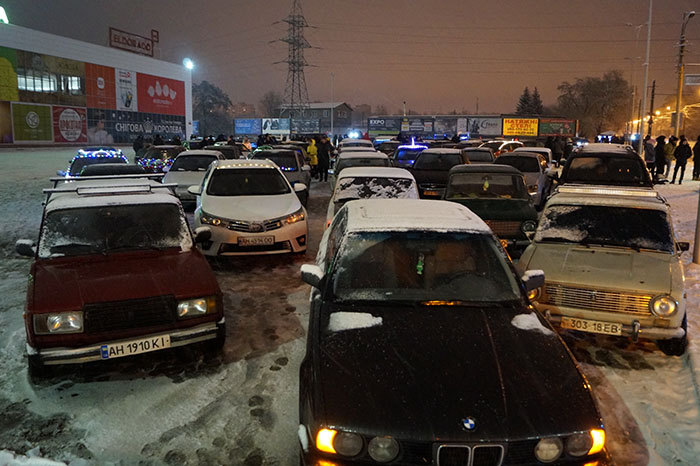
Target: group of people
659 153
319 151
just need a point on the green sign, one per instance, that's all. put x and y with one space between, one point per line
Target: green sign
3 16
8 75
32 123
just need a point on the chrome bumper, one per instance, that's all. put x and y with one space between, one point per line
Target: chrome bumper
635 330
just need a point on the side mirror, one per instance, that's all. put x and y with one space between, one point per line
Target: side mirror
312 274
533 279
195 189
683 245
202 234
25 247
305 168
300 187
331 171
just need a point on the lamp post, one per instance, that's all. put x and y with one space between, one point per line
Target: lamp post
189 65
332 105
679 95
646 80
633 63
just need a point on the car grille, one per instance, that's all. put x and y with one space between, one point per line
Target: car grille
595 300
134 313
255 227
462 455
504 228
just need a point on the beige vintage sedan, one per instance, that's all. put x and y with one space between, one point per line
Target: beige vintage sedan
612 265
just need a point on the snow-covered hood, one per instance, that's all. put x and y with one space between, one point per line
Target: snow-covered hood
251 208
594 266
184 178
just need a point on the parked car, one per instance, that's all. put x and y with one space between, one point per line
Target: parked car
538 177
388 147
371 183
500 146
479 154
613 265
188 169
406 154
544 151
422 348
497 194
92 156
431 170
229 151
109 169
352 142
299 148
293 166
606 164
115 273
156 159
251 209
469 143
354 158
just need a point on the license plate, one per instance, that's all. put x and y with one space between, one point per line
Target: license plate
431 193
592 326
256 241
128 348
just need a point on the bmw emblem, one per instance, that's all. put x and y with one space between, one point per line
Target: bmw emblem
469 424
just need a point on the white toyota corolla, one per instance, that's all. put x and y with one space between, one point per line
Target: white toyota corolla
250 208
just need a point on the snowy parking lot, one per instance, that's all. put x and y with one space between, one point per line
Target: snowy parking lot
179 408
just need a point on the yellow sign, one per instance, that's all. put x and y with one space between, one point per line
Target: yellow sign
520 126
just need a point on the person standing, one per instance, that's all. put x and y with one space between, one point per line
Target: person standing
312 150
696 159
660 156
324 158
682 154
669 150
557 149
649 154
138 144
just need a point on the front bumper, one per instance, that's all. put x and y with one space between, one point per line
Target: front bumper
178 337
288 238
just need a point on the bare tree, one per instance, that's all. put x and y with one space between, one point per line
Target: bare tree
380 110
270 103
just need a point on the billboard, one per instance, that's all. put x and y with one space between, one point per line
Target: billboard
306 126
520 126
557 127
8 74
484 127
275 126
125 89
32 122
384 125
99 86
247 126
130 42
160 95
113 126
69 124
446 125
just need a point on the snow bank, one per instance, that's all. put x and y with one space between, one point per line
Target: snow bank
530 322
7 458
341 321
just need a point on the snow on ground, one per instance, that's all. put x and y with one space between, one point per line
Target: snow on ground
185 408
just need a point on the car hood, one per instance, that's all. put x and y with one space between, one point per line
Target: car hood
251 208
603 267
69 283
184 178
423 370
500 209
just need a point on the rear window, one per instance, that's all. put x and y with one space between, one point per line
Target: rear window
606 170
192 163
487 186
524 164
432 161
81 162
479 155
361 162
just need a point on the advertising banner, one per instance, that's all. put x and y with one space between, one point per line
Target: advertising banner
557 127
130 42
160 95
446 125
691 80
247 126
275 126
384 126
125 88
306 126
462 125
99 86
108 127
8 74
69 124
50 80
484 127
32 122
520 126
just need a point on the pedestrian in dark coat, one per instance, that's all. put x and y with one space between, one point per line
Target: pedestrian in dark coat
324 158
696 159
138 144
660 156
649 154
158 141
557 149
682 153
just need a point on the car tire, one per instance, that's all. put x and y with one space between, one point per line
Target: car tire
675 346
37 370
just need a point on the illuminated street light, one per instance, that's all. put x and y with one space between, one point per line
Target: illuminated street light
658 112
188 63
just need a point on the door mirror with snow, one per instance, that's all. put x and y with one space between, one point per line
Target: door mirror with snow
195 189
312 274
25 247
299 187
533 279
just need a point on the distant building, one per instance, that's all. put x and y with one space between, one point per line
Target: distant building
360 114
321 111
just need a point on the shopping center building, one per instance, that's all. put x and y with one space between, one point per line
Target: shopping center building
56 90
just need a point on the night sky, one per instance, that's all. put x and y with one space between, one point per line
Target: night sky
438 56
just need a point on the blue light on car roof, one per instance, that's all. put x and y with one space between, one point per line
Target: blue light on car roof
413 146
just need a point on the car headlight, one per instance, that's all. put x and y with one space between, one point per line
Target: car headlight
209 219
579 444
534 295
297 216
348 443
63 322
532 188
663 305
383 449
528 226
549 449
196 307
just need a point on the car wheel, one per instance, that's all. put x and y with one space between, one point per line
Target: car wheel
37 370
675 346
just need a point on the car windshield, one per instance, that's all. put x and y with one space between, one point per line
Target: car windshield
114 228
247 182
422 266
479 156
361 162
524 164
486 185
606 225
607 169
161 154
192 163
80 162
433 161
286 161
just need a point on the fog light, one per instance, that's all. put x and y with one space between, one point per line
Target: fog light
301 240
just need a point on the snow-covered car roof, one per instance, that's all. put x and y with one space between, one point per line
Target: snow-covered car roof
441 150
602 148
412 214
244 163
572 194
541 150
357 149
187 153
362 155
375 172
356 141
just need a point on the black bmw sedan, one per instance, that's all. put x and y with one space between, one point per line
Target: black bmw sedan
423 349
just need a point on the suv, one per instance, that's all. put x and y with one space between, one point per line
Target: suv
612 265
115 274
606 164
431 170
92 156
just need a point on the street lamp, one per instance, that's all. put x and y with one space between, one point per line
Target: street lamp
686 17
188 63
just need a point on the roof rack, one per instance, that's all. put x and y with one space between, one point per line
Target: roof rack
150 176
109 189
609 191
